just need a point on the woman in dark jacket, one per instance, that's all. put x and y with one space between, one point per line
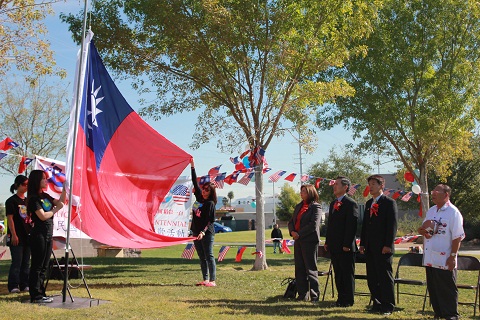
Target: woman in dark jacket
41 207
202 228
304 227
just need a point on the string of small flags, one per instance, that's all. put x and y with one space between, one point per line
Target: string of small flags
248 160
190 250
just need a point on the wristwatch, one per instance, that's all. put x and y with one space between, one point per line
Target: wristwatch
453 254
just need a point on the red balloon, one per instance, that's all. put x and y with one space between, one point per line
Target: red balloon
409 176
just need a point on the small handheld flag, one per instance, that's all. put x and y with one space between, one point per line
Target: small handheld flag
223 251
285 247
188 251
240 252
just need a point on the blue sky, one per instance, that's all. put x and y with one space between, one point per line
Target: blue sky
282 154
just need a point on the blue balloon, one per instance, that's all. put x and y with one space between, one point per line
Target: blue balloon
253 204
417 172
246 162
414 183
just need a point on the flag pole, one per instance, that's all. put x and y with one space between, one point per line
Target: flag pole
77 105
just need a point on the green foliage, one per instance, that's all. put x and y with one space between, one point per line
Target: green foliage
464 181
252 66
36 117
408 224
230 196
224 201
417 88
345 164
22 38
288 199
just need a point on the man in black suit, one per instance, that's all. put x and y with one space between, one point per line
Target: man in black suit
379 229
340 241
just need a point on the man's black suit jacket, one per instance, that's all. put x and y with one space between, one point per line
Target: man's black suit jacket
379 230
342 226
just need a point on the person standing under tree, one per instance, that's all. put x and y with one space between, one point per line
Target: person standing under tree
379 229
277 237
443 236
304 227
340 241
41 207
203 228
17 236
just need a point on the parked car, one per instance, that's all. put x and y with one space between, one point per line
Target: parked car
219 228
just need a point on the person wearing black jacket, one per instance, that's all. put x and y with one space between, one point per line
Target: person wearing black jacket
202 227
340 241
41 207
304 227
277 238
17 236
379 229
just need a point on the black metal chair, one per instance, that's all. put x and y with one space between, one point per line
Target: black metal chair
470 263
410 260
323 254
361 259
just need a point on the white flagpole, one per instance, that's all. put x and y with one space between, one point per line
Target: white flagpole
77 106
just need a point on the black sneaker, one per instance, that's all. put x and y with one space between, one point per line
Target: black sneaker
43 300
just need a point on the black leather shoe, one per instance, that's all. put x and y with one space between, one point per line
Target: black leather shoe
301 298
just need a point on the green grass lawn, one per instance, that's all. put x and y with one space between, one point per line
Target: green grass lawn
160 285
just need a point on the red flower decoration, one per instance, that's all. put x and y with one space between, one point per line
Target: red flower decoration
374 209
337 205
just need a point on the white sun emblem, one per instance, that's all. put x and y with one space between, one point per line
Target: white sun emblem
94 102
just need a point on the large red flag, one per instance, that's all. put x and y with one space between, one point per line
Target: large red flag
123 168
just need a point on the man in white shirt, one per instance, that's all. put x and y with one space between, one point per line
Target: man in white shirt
443 231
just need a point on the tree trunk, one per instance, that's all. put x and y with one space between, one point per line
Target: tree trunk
424 186
260 262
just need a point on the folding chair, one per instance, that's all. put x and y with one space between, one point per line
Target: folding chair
410 260
469 263
361 259
323 254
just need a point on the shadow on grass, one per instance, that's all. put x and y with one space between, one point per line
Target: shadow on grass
279 306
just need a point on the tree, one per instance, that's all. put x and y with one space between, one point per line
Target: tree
34 116
287 199
230 196
417 88
251 66
22 42
346 164
224 201
464 181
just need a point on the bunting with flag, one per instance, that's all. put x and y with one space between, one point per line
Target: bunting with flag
407 196
188 251
276 176
240 252
24 162
290 177
246 178
214 171
231 178
285 247
223 251
7 144
353 189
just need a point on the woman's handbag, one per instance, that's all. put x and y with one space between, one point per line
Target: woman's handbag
291 291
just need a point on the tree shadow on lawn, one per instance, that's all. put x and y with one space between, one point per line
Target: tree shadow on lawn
278 306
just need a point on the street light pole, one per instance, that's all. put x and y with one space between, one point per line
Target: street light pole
274 214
